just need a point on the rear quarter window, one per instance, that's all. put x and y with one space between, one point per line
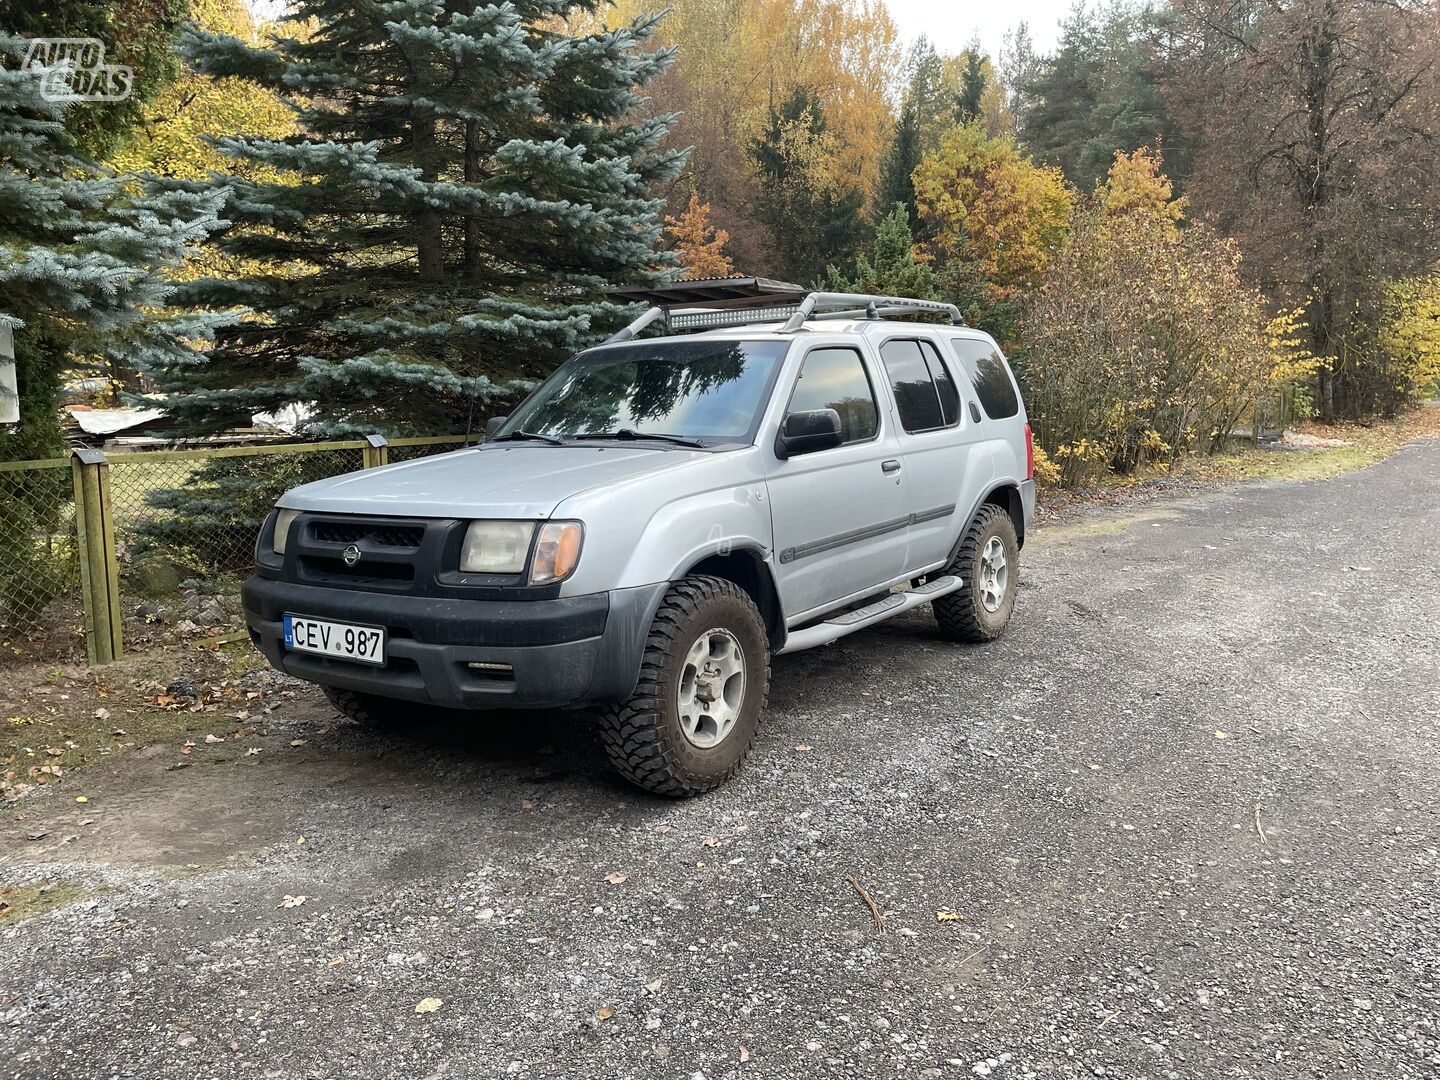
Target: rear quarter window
991 378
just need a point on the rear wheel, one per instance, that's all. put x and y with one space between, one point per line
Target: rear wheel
704 679
988 562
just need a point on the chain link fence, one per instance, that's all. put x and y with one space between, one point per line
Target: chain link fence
171 535
40 594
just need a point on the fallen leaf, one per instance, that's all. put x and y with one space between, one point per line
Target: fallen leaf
335 962
299 839
428 1005
1222 734
291 901
653 987
617 878
605 1012
990 753
804 749
744 1054
251 751
102 714
211 740
81 799
710 841
297 742
946 915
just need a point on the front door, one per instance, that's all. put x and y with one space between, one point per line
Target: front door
839 515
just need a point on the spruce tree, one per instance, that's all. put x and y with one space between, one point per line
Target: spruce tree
468 182
894 270
82 264
82 258
897 184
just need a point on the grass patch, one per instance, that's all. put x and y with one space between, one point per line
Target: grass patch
21 902
1368 443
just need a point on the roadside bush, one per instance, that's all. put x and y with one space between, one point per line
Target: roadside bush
1410 339
1143 343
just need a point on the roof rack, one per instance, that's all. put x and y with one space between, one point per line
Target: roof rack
720 302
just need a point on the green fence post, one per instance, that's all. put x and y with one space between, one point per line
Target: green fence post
99 567
376 451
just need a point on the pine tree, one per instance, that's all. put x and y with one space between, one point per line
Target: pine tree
699 246
894 270
468 181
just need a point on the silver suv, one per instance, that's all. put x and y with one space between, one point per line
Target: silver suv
660 517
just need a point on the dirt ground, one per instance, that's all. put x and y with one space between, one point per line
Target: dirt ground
1180 823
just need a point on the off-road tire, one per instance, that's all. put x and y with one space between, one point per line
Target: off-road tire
961 614
642 734
369 709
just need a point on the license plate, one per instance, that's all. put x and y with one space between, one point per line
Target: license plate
363 644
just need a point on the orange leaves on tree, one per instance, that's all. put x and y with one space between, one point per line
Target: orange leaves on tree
700 246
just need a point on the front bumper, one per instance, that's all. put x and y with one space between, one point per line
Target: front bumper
578 650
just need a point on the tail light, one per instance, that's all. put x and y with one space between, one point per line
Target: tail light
1029 453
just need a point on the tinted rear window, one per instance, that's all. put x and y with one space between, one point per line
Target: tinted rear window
987 371
914 385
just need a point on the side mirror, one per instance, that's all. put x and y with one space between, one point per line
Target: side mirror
493 426
807 432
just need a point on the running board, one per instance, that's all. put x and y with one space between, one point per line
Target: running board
833 629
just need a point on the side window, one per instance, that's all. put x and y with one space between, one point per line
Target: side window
835 379
944 385
991 378
924 391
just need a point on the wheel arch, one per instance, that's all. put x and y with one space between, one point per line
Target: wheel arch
747 568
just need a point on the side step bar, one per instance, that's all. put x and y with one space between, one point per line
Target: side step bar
833 629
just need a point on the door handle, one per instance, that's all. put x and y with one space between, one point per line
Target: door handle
890 466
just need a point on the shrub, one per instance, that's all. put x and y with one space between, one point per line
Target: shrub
1143 343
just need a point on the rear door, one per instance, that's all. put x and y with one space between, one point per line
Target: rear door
936 436
839 515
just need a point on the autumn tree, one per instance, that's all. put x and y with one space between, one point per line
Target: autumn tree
993 218
1316 124
699 246
736 59
1144 342
813 216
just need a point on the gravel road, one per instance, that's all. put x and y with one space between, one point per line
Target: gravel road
1184 815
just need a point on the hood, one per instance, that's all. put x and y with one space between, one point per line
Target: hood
523 480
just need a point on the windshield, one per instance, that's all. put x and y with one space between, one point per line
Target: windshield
709 390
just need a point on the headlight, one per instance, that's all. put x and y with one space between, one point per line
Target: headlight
283 521
556 551
496 547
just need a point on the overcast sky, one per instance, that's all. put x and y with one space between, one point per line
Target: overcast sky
951 24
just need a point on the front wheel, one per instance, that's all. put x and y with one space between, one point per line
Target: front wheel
988 562
704 679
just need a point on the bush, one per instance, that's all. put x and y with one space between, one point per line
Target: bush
1143 343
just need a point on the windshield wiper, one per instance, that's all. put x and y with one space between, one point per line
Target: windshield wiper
628 434
551 439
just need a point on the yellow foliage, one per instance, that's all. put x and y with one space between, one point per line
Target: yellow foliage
736 57
1410 335
1135 185
987 203
173 138
1047 473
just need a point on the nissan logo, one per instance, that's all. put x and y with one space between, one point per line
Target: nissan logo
350 556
